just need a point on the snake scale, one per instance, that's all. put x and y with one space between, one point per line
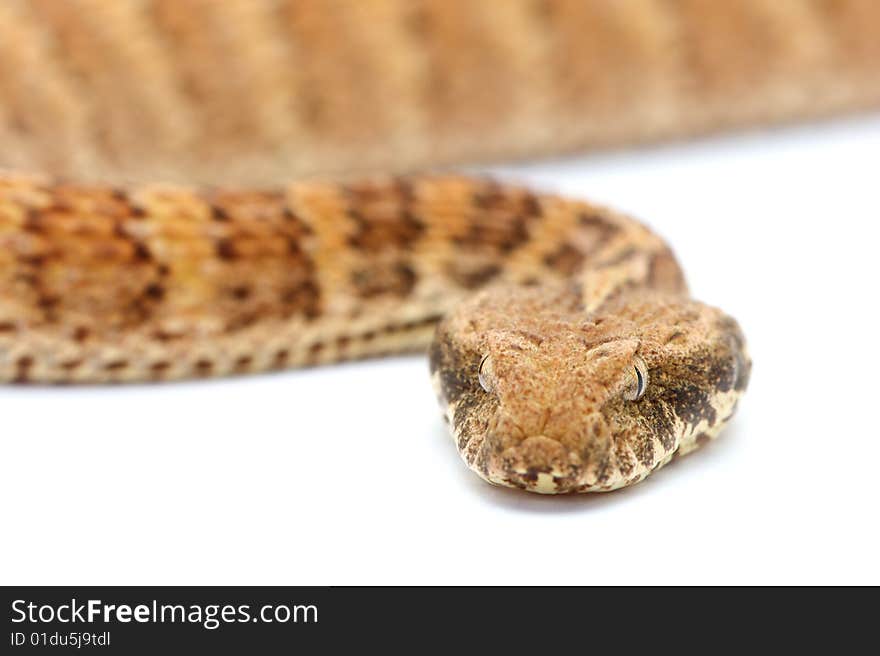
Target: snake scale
162 237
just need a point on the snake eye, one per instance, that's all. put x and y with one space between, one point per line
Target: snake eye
485 373
638 381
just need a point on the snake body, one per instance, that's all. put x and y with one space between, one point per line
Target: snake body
565 350
258 92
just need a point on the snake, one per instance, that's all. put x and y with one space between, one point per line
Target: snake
568 355
197 189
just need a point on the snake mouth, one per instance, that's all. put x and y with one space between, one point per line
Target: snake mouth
538 464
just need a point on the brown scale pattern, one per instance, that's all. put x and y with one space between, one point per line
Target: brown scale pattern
224 281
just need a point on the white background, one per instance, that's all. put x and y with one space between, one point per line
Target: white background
346 475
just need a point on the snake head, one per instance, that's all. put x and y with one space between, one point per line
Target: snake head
548 399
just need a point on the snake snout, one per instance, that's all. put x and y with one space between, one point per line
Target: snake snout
539 464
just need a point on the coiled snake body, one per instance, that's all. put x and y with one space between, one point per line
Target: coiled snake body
581 365
568 355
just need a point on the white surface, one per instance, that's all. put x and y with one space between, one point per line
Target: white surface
346 474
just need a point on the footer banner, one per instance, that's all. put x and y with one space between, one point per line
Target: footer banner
134 620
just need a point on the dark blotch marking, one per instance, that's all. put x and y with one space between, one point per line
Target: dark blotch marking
473 278
456 380
304 298
398 280
116 365
242 321
219 213
691 402
290 216
154 291
225 249
294 246
531 475
240 292
158 368
7 327
22 368
141 252
33 260
280 359
46 302
566 259
166 336
490 196
377 233
204 367
33 222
